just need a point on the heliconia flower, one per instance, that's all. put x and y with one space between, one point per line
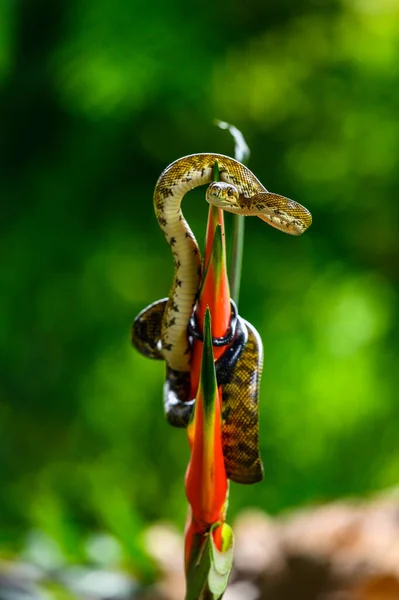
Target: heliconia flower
208 539
206 481
215 290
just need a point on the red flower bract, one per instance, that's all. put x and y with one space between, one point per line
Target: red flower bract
206 481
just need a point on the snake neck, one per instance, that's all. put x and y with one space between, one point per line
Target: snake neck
176 348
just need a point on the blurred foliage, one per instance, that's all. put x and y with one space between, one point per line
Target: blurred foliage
97 97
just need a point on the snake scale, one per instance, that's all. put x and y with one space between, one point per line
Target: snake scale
161 331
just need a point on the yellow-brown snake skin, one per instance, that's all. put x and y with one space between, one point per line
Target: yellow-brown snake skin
253 199
161 330
238 371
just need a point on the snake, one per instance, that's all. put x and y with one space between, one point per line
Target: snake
161 331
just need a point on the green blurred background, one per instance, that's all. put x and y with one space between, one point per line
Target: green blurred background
97 97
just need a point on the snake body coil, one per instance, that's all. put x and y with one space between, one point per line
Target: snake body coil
238 371
161 330
251 198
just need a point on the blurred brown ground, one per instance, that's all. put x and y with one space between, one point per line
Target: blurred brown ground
347 550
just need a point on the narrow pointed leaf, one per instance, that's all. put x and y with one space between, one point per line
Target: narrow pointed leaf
208 373
198 568
241 148
206 482
241 153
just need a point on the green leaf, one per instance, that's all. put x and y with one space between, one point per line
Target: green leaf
198 571
241 148
242 154
210 568
216 174
221 562
208 374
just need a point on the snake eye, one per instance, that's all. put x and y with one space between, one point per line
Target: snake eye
230 192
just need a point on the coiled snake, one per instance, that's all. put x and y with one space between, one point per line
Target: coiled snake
162 330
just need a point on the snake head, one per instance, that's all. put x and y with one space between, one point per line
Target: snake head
223 195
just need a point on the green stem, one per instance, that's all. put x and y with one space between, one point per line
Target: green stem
216 175
241 153
237 251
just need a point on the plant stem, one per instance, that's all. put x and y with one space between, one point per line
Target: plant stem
216 175
237 251
241 153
